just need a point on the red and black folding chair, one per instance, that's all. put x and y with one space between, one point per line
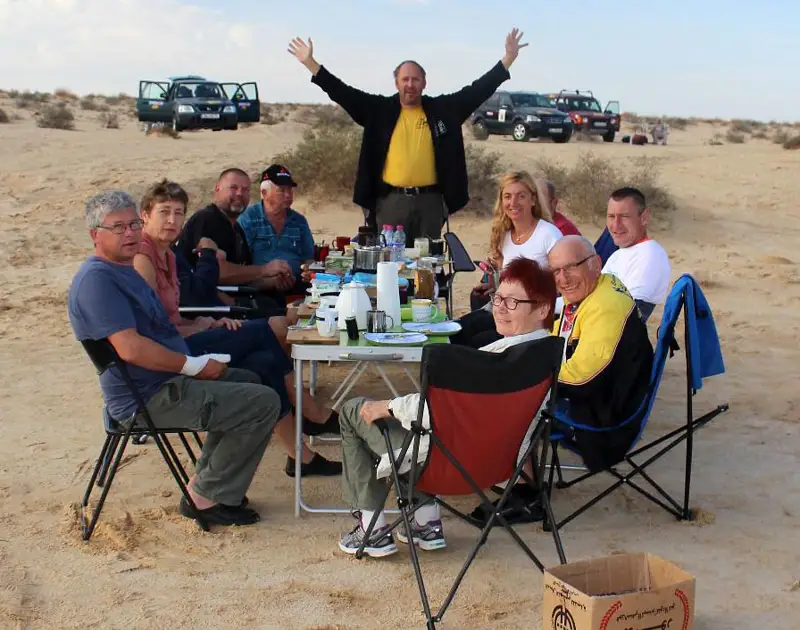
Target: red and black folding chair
488 418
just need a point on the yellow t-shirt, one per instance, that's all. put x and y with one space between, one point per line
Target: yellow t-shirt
410 160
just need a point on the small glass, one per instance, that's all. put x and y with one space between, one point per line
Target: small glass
423 244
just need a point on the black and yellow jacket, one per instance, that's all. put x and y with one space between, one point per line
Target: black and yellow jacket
606 371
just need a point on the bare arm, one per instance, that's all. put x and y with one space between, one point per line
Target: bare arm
145 268
230 273
145 353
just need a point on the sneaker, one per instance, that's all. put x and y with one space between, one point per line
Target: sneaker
330 426
427 537
382 543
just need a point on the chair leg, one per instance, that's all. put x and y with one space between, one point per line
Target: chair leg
198 440
188 448
87 526
178 473
112 441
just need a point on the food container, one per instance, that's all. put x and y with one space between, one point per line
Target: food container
367 258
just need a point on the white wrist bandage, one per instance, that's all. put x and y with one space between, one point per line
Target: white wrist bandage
194 365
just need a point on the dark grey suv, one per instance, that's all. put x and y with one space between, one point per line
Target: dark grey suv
193 102
522 115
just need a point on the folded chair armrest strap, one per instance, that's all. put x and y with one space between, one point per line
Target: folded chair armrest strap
586 427
238 289
224 310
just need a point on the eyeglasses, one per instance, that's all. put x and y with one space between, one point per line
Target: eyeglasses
119 228
568 269
510 303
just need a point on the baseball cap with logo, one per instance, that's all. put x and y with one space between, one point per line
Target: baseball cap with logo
278 175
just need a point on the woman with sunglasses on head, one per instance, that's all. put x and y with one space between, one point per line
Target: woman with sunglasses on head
521 228
523 310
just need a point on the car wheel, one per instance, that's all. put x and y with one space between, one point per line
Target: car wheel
609 137
564 137
520 132
479 130
176 126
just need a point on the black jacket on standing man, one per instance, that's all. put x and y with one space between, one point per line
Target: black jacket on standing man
378 116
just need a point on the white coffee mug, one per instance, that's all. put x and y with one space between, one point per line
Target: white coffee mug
423 310
326 322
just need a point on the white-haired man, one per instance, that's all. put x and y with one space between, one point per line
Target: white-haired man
276 232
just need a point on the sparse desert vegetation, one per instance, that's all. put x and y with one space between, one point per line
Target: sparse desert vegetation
56 116
735 137
163 131
4 118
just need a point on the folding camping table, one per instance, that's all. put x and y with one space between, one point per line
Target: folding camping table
362 356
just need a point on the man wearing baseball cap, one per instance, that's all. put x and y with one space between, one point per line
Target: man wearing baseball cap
276 232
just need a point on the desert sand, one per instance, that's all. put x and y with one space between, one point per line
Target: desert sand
736 229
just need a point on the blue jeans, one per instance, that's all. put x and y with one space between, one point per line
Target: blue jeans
253 347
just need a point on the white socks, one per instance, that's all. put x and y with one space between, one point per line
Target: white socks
423 516
366 517
427 513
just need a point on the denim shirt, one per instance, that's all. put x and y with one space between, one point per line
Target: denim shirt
295 243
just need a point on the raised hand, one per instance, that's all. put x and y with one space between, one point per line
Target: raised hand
513 46
304 52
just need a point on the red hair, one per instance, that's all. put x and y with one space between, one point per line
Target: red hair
538 282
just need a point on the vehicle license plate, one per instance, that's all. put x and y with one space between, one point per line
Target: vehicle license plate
211 116
600 124
555 130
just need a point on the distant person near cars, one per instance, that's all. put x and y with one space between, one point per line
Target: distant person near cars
412 168
565 226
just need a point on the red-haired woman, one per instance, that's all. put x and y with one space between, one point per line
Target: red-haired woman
523 311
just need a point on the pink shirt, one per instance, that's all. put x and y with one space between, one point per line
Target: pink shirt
167 286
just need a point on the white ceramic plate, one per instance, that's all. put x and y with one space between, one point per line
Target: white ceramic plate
395 339
437 329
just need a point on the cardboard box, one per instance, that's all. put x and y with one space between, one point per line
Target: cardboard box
637 591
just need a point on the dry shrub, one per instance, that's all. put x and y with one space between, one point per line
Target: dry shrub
761 134
677 123
29 99
735 137
632 118
325 159
743 126
109 120
483 170
4 119
271 116
715 141
479 132
56 116
586 186
323 116
65 94
90 105
780 136
163 131
792 143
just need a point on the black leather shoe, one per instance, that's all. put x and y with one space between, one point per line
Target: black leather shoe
317 467
331 425
522 506
221 514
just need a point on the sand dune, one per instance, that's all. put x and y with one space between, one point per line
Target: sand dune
736 229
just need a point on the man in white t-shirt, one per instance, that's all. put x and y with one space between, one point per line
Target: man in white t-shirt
640 262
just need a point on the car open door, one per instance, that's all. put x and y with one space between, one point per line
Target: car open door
151 102
612 108
245 97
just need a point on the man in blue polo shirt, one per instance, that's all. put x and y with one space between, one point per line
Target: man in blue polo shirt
274 231
108 299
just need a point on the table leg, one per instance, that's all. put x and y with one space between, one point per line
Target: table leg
298 446
412 379
386 380
347 378
312 378
362 366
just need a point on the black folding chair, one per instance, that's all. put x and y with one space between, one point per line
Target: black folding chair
119 432
687 297
488 419
459 261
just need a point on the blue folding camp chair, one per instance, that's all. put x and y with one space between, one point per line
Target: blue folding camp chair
605 246
703 359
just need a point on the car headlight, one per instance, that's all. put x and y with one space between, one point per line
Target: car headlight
230 109
613 121
531 118
185 109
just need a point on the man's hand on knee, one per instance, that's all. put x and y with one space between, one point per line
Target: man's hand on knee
372 410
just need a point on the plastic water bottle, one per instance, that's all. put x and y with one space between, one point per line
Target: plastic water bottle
388 234
398 243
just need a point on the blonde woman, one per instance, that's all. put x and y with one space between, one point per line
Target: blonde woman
521 228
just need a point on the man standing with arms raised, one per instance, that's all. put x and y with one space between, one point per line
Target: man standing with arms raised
412 169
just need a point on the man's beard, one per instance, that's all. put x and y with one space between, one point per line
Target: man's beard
233 212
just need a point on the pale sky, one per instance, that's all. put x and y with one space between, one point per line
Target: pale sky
707 58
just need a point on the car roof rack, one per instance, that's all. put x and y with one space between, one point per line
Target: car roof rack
577 92
187 77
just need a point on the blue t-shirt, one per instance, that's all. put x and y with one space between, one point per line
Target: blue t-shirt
295 243
104 299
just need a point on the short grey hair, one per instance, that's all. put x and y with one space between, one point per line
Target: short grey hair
266 185
104 203
585 244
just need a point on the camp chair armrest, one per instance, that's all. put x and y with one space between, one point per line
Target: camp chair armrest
215 310
238 290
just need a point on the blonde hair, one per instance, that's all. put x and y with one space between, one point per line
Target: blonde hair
500 221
